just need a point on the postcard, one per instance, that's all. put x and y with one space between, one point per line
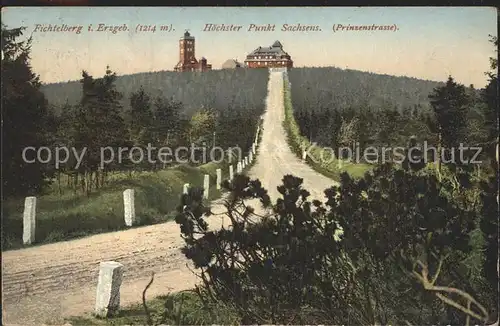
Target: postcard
260 165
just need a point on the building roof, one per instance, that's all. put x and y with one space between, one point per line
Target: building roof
277 44
187 36
268 60
230 64
276 49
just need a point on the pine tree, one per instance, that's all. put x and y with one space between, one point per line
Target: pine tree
489 96
25 118
202 126
167 124
140 118
100 124
449 105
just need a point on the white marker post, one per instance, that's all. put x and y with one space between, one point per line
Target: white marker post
185 188
231 173
206 185
29 220
108 288
238 168
129 207
219 178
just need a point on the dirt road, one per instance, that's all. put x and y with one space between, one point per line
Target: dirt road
47 283
275 158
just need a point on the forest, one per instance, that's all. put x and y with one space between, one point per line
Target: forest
232 89
343 108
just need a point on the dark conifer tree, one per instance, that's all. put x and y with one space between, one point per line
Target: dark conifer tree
26 121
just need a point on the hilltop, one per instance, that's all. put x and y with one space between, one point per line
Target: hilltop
342 88
210 89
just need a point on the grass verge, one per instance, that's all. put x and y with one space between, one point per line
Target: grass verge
182 308
319 159
67 216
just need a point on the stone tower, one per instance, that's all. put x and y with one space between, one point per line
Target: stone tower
186 48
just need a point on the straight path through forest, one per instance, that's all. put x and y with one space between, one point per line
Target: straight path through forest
50 282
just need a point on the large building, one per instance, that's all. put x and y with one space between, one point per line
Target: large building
187 58
269 57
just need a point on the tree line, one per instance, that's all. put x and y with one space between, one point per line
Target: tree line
386 112
210 89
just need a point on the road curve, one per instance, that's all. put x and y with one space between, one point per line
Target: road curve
45 284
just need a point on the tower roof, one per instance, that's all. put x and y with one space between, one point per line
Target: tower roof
187 36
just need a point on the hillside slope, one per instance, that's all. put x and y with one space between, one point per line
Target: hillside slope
212 89
334 87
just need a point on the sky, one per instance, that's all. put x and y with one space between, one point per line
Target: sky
429 43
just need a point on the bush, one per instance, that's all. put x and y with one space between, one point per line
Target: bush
400 227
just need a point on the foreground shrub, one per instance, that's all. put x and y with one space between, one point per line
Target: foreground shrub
287 266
